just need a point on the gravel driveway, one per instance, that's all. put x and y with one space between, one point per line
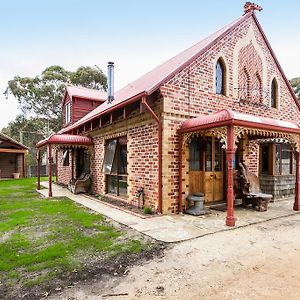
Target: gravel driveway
260 261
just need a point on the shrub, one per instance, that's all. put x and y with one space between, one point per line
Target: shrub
147 210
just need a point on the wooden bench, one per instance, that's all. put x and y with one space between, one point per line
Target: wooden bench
247 187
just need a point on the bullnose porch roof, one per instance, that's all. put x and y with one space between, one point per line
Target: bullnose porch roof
68 139
229 117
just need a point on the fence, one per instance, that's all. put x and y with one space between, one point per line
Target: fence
32 170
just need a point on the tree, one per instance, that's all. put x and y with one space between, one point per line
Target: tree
295 82
28 132
40 101
40 97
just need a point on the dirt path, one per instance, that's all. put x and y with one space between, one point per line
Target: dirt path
256 262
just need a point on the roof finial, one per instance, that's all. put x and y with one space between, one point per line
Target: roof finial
250 7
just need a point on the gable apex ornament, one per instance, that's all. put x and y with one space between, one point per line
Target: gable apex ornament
251 7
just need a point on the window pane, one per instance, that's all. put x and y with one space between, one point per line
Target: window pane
110 150
286 160
123 160
194 160
277 159
65 158
265 159
123 185
208 151
219 78
112 184
218 156
274 93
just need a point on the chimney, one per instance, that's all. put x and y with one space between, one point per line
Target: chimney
110 82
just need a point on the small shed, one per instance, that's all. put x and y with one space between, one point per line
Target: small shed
12 157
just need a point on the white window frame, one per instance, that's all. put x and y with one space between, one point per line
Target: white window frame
68 113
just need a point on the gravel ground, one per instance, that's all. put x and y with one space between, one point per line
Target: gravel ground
260 261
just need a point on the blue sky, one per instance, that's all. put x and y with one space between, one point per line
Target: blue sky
136 35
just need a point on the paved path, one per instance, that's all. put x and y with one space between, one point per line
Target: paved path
176 228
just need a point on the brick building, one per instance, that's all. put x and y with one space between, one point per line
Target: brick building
12 157
184 126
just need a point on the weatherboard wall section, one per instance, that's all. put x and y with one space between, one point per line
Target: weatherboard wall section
81 107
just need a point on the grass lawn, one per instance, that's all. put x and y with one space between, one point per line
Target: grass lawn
45 239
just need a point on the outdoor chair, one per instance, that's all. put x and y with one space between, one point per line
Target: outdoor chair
80 185
248 188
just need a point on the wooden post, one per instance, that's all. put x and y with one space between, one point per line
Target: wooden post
72 162
297 184
38 154
50 170
23 165
230 151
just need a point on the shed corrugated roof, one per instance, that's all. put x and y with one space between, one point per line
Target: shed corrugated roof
5 137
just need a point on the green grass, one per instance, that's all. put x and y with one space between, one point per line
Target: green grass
41 239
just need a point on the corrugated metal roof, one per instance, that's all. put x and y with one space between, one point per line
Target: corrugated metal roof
225 116
149 82
11 140
85 93
68 139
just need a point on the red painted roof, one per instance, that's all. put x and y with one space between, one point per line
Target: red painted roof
152 80
85 93
68 139
149 82
226 116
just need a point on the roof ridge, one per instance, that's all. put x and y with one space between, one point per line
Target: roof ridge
148 82
12 140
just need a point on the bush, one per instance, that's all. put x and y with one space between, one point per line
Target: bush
147 210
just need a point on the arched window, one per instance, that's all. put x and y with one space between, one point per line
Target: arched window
220 77
274 93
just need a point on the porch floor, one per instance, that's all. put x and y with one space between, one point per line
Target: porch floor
177 228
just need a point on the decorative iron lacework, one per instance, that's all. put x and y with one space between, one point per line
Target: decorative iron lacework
70 146
240 132
219 78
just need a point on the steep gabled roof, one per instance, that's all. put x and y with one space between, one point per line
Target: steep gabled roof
4 137
149 82
84 93
152 80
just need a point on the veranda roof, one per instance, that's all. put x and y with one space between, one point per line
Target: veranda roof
67 139
229 117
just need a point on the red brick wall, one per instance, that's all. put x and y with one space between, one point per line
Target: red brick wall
142 159
64 173
192 92
143 163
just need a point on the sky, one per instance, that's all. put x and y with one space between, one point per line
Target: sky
137 35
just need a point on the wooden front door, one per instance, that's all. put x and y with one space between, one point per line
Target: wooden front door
213 174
